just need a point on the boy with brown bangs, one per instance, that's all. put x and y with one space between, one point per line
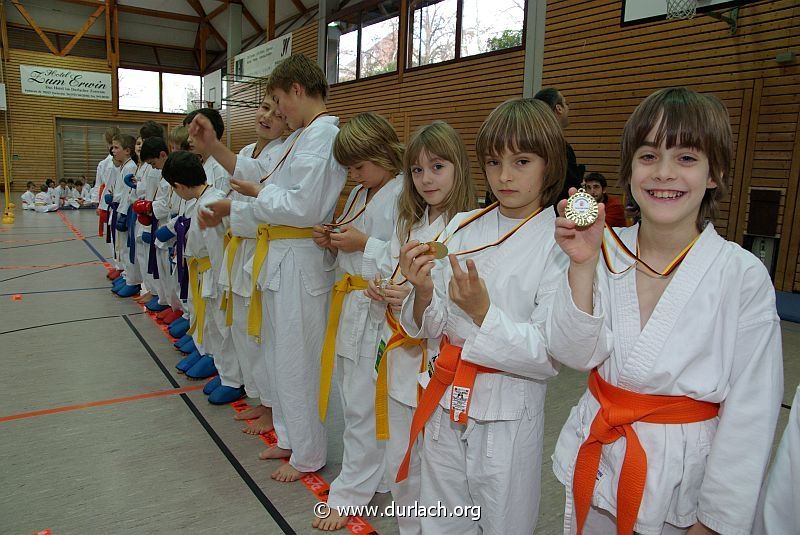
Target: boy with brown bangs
482 410
291 284
680 330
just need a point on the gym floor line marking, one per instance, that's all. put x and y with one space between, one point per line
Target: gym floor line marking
243 473
67 321
313 482
50 266
55 291
100 403
80 236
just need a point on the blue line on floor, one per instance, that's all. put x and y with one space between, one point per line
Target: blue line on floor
56 291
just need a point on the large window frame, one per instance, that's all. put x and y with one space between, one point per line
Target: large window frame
161 74
405 56
416 4
355 14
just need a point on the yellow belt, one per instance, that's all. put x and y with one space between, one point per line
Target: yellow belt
198 266
344 286
267 233
399 338
226 303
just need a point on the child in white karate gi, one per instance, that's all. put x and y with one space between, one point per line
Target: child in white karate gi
368 145
29 197
436 186
680 331
482 410
291 283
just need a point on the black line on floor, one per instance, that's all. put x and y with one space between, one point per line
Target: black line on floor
37 244
55 291
243 473
69 321
75 264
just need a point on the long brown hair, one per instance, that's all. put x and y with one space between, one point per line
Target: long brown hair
436 139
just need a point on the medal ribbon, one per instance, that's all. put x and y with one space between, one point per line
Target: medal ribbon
672 266
350 209
291 146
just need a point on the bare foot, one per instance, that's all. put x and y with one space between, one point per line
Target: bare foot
261 426
287 473
144 298
251 414
274 453
334 521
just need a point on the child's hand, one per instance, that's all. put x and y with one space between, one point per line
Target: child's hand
202 133
395 294
212 214
321 237
468 291
581 244
416 264
248 189
348 239
374 291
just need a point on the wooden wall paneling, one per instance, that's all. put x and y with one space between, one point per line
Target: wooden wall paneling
738 194
32 118
788 266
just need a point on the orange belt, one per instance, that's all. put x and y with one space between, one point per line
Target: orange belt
619 409
448 369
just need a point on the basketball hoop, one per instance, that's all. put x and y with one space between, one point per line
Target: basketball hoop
681 9
203 103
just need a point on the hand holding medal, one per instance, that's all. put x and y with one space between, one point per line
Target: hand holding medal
579 227
416 263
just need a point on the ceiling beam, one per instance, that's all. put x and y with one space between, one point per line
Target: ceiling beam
102 37
217 10
251 19
109 52
4 30
271 20
300 7
85 28
198 8
141 11
48 43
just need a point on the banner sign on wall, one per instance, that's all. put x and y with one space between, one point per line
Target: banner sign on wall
53 82
261 60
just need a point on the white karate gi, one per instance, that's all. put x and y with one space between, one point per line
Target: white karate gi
713 336
43 202
778 508
103 177
28 200
125 196
239 345
495 460
295 285
146 188
209 243
163 211
403 368
216 175
177 207
86 196
356 347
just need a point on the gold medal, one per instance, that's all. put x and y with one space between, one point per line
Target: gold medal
581 208
437 249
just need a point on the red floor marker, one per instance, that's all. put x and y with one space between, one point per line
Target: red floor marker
16 297
45 532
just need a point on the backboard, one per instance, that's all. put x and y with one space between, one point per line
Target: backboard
641 11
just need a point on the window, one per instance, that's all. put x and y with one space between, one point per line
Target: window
178 92
362 42
433 32
156 91
477 26
138 90
490 26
